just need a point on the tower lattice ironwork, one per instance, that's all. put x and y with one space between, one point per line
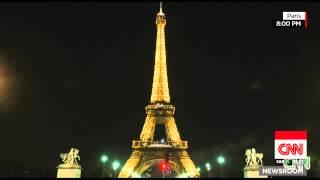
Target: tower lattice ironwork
147 152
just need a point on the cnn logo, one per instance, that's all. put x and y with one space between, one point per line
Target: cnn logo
290 145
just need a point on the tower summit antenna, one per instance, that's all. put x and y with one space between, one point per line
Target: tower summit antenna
160 12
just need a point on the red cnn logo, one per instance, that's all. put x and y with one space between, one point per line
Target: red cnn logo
290 145
285 149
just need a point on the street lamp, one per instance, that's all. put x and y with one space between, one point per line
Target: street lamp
103 159
115 166
198 169
221 160
208 167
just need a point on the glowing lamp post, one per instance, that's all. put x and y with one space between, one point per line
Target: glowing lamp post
221 160
208 167
115 166
103 159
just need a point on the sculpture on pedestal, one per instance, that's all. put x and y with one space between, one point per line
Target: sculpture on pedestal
70 159
70 167
253 158
253 163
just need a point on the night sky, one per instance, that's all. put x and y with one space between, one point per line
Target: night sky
80 75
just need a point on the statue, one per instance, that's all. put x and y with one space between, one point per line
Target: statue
70 167
70 159
253 158
253 164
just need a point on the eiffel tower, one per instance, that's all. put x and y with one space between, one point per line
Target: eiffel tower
147 152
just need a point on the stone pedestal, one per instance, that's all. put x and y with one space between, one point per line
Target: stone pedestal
252 172
65 171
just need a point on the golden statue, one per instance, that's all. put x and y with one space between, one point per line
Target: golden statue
253 158
70 159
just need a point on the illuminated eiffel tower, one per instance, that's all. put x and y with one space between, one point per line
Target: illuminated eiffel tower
147 152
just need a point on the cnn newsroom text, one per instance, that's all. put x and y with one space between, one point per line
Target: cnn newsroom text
290 154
